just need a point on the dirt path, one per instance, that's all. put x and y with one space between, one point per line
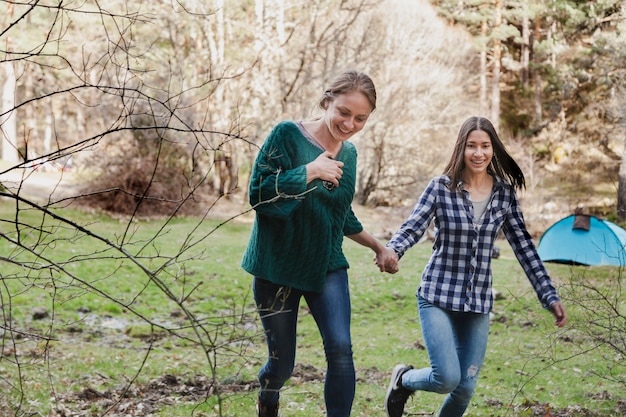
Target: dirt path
41 186
51 186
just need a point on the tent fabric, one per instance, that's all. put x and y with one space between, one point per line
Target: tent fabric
604 243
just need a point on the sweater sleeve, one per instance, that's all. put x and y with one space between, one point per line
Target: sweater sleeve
352 226
277 184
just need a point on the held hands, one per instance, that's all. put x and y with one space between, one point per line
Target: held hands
325 168
387 260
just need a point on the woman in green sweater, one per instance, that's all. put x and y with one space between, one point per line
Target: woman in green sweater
301 187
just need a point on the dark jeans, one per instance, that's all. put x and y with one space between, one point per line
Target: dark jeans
278 309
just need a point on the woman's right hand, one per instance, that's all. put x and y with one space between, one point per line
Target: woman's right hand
325 168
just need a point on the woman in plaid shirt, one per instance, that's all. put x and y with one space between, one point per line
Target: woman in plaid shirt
470 203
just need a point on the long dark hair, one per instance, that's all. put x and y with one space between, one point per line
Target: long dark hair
502 164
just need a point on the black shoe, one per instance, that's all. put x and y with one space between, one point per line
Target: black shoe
397 394
266 410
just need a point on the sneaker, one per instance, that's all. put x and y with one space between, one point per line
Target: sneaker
397 394
266 410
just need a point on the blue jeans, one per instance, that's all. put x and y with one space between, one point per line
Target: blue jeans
278 309
456 343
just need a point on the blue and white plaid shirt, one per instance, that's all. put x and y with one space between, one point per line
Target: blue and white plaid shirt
458 275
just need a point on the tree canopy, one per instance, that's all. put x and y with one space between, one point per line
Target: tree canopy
199 85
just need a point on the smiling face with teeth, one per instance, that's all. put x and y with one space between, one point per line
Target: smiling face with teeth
346 115
478 153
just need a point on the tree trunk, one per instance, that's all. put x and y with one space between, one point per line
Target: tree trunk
8 124
497 54
538 107
30 131
525 55
621 188
484 105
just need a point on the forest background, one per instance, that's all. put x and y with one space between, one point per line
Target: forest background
194 88
155 110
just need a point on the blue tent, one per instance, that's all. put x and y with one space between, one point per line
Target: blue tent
584 240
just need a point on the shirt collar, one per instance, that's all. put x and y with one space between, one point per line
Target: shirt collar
498 183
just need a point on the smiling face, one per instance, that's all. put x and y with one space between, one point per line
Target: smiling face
347 115
478 152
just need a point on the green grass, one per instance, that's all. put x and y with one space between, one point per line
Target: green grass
528 359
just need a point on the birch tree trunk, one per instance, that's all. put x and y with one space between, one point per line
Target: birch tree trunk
31 113
484 105
497 54
8 124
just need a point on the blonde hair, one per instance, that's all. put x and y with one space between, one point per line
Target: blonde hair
348 82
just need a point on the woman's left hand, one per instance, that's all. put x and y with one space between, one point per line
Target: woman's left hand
558 311
387 260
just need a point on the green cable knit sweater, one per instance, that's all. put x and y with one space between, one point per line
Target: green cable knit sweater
298 231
